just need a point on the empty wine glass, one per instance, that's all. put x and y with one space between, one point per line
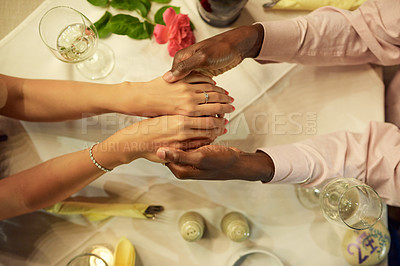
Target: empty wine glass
349 202
73 38
308 196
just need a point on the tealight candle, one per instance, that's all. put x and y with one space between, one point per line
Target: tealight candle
103 253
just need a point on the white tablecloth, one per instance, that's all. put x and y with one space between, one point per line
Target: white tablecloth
288 103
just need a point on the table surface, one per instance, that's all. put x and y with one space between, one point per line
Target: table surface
269 112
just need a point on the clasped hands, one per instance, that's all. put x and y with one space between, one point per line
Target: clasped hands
212 57
187 109
179 116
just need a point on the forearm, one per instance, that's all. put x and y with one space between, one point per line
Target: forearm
51 181
253 167
247 39
331 36
372 157
58 100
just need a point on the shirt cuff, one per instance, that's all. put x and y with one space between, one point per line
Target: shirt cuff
291 165
278 34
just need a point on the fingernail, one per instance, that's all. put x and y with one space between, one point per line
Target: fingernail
226 121
215 83
227 92
233 108
161 153
225 130
168 76
232 99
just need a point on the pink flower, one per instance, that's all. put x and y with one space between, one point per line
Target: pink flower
177 31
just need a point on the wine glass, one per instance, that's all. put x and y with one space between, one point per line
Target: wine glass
349 202
73 38
308 196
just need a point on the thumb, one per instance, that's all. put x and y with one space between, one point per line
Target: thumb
184 63
170 155
169 77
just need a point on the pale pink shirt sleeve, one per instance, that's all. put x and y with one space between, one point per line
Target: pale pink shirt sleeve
331 36
372 157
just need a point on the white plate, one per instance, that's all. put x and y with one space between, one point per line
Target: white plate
254 257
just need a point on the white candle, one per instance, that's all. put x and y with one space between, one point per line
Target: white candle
103 253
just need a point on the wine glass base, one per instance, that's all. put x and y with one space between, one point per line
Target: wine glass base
100 65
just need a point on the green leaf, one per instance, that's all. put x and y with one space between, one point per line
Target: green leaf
149 28
127 25
122 24
146 3
101 25
162 1
141 6
99 2
138 31
192 26
158 16
122 4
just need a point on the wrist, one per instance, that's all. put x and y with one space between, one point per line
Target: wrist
111 153
125 98
251 41
104 98
101 155
256 166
